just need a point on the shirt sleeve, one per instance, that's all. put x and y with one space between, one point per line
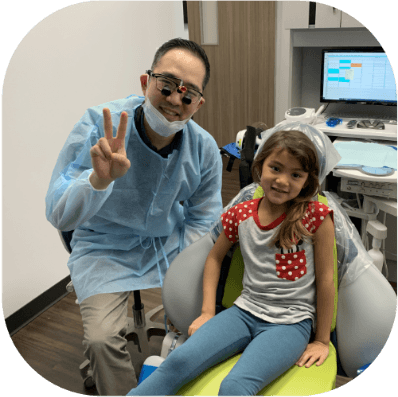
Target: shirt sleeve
315 215
230 224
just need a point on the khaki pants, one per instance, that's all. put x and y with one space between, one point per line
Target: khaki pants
105 324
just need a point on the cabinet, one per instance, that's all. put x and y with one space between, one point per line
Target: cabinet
297 16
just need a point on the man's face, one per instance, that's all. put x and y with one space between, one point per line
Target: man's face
180 64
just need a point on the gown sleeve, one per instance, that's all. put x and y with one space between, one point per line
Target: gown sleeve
71 200
205 205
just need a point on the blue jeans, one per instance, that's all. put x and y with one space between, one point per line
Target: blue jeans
269 351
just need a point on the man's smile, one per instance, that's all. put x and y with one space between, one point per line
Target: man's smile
168 111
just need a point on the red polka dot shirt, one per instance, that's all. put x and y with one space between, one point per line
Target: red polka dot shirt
278 284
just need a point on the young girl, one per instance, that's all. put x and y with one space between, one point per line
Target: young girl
286 241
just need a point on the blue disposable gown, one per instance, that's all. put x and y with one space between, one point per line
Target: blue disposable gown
125 236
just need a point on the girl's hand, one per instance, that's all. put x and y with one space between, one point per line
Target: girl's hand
316 351
198 323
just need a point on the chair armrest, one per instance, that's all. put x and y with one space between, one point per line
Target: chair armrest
365 317
182 292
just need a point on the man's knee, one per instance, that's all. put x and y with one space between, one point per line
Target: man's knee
99 338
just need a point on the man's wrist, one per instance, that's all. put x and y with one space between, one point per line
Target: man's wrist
97 183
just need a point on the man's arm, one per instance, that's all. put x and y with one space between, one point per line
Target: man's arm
205 205
79 185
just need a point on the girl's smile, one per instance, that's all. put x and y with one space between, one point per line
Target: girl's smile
278 190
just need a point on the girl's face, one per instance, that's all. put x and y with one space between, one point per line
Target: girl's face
282 178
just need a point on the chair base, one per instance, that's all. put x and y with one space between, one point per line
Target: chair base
141 328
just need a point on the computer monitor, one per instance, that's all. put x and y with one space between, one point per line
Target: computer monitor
357 75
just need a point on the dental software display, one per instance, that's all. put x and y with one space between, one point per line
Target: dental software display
357 75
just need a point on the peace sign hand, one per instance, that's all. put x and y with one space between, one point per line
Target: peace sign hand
108 156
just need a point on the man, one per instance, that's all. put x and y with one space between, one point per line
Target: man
137 181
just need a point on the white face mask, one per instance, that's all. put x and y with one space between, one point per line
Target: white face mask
159 123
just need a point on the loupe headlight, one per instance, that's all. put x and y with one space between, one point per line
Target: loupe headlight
166 91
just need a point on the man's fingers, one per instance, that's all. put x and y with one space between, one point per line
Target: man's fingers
96 151
108 128
105 148
123 161
121 131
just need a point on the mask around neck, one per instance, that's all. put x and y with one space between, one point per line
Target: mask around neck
159 123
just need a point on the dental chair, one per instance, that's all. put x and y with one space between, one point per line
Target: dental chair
364 309
140 327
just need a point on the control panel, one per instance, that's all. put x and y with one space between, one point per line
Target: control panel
378 189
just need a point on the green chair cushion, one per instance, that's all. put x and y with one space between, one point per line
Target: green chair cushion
296 381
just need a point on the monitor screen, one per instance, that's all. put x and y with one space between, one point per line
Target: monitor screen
357 75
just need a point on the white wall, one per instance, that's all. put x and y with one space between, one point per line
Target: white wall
80 56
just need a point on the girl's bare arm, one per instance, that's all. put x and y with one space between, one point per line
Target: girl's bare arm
323 258
211 277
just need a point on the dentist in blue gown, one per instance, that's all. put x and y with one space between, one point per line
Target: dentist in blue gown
138 181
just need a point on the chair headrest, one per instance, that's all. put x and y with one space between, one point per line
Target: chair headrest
327 154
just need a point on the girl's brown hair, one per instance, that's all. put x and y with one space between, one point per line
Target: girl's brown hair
300 146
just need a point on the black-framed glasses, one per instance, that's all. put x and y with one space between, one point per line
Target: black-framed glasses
167 85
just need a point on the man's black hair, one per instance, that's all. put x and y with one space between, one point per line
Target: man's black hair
189 45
